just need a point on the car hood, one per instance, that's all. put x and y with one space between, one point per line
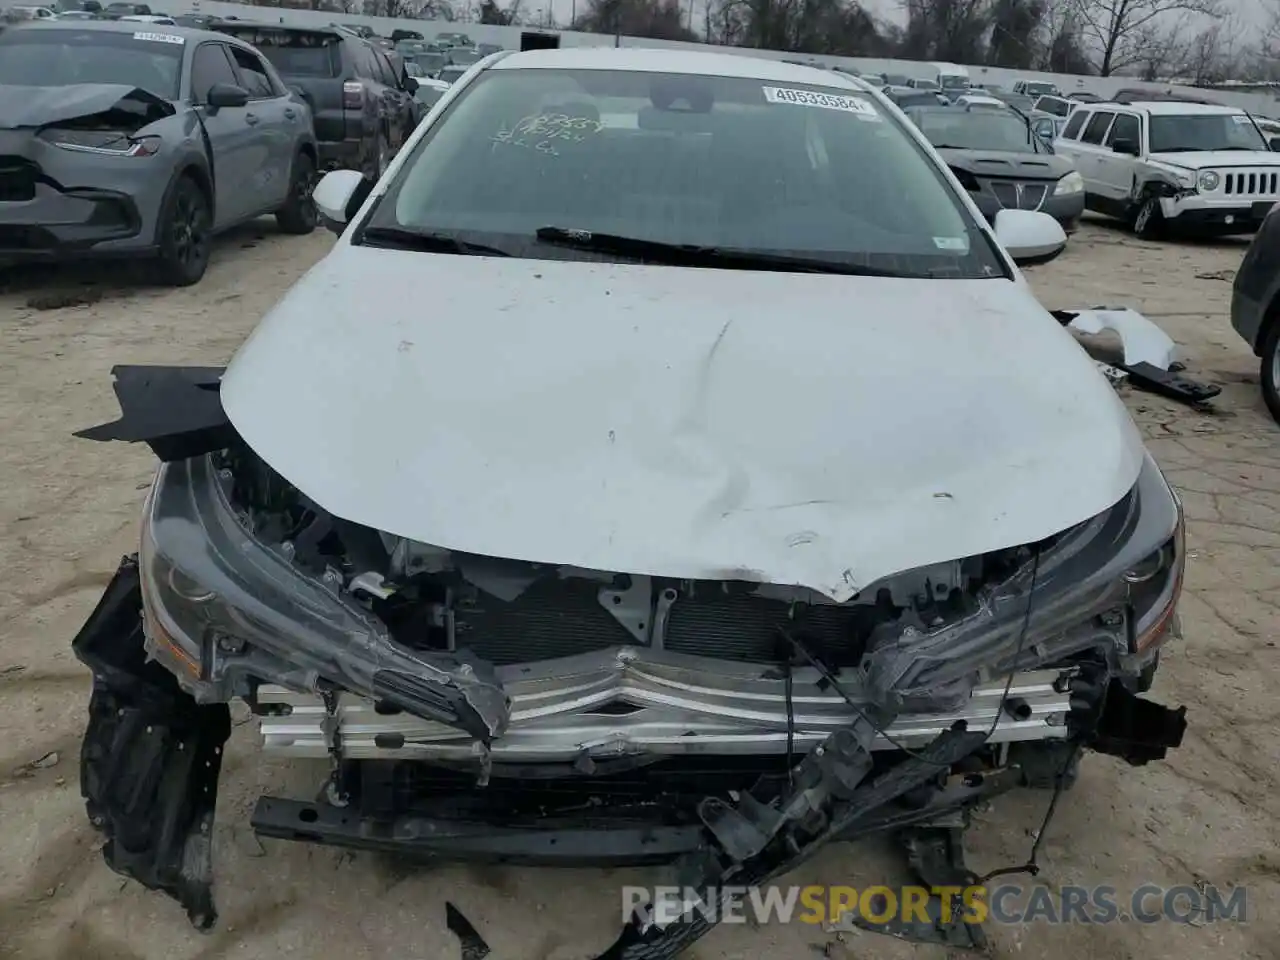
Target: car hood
1003 163
813 430
37 106
1219 159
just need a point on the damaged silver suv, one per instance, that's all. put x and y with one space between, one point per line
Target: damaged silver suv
683 512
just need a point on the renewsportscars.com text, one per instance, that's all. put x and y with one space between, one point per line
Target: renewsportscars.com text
1004 904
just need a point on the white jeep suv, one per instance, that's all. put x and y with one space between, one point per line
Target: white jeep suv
1173 164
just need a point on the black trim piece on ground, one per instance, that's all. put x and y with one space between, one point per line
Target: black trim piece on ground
151 757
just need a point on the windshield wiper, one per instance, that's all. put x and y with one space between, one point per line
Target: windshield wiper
403 238
692 255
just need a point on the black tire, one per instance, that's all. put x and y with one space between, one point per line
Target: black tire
185 233
299 215
1269 375
1148 221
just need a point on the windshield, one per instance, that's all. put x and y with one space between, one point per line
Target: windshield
430 62
707 162
427 96
61 58
979 130
1212 131
1059 108
296 53
953 83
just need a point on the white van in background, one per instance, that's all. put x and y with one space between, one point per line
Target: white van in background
952 78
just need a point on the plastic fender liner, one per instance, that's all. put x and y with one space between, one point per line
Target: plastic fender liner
1135 729
176 411
151 757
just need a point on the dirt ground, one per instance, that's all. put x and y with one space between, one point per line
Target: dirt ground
69 509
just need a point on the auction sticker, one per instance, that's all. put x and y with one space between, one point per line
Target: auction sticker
827 101
161 38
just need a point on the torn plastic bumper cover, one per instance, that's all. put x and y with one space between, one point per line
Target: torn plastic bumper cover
151 757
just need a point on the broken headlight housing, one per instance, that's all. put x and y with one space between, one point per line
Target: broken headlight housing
1155 586
224 611
110 143
1110 583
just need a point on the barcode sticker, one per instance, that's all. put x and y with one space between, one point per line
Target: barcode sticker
161 38
827 101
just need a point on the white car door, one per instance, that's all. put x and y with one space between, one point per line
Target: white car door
1090 151
1116 167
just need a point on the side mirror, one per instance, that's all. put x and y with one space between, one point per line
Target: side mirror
226 95
338 197
1275 144
1128 147
411 84
1029 236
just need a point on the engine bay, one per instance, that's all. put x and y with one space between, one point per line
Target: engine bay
514 611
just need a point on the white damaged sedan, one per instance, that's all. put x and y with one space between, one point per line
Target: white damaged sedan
668 463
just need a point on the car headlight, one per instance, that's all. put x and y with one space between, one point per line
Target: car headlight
1209 180
111 143
224 610
1155 585
1071 183
1110 583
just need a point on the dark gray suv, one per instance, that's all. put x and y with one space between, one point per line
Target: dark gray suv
1255 305
363 106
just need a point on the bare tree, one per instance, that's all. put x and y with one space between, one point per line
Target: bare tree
1163 50
1119 31
1061 48
490 12
1016 29
947 30
836 27
659 19
1210 56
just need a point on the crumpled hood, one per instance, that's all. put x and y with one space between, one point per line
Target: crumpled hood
38 106
1003 163
1219 160
813 430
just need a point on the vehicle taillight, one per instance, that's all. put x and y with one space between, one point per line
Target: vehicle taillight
353 95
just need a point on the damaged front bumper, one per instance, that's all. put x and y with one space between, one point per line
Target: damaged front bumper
152 756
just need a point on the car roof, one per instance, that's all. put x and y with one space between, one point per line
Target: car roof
131 26
656 60
332 31
1180 108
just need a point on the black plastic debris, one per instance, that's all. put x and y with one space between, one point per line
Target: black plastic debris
473 945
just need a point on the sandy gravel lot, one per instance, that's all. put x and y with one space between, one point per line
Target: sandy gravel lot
69 508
